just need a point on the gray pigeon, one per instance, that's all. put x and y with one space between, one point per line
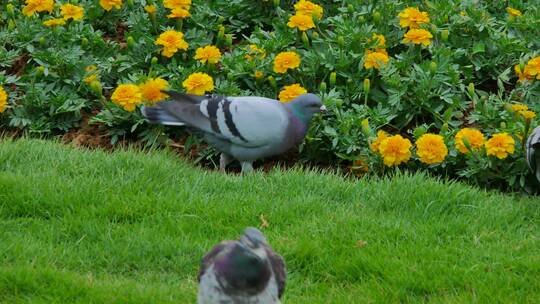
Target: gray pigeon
246 271
533 153
242 128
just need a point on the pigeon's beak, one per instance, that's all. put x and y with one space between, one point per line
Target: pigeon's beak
323 108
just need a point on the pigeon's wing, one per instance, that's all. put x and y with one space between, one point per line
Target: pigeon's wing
244 121
209 258
278 267
533 149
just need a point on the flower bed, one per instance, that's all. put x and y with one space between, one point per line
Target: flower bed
447 87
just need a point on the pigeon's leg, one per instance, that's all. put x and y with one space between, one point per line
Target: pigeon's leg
247 167
224 160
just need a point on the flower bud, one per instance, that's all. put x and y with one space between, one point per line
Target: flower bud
444 35
503 125
154 60
11 25
341 41
350 8
367 86
42 41
333 77
361 19
433 67
314 35
365 127
221 32
376 16
305 40
40 69
96 87
130 42
276 3
444 128
84 41
508 107
10 10
221 19
272 82
258 75
228 40
470 88
322 86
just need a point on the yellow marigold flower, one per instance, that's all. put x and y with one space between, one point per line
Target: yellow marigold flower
179 12
54 22
285 61
208 53
37 6
513 12
172 41
3 99
90 68
110 4
412 17
151 89
533 67
198 83
258 74
463 13
90 78
381 135
475 139
381 41
172 4
255 52
395 150
376 59
527 114
305 7
523 75
128 96
431 148
291 92
150 9
418 36
302 22
519 107
70 11
500 145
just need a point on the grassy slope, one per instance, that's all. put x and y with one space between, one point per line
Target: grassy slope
80 227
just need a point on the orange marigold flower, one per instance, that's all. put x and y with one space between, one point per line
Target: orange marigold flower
381 41
302 22
376 59
381 135
500 145
305 7
172 4
285 61
209 53
431 148
258 74
533 67
37 6
172 41
513 12
179 12
70 11
128 96
395 150
54 22
418 36
527 114
110 4
412 17
198 83
151 89
3 99
291 92
474 138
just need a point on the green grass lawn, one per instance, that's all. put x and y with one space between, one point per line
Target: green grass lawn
81 226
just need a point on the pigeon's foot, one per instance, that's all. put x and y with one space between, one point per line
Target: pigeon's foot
247 167
224 160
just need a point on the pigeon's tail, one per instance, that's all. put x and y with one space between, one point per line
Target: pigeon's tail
157 115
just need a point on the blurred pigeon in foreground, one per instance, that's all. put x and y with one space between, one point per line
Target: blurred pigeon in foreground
242 128
246 271
533 154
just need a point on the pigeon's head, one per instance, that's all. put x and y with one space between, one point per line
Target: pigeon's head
307 105
244 267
